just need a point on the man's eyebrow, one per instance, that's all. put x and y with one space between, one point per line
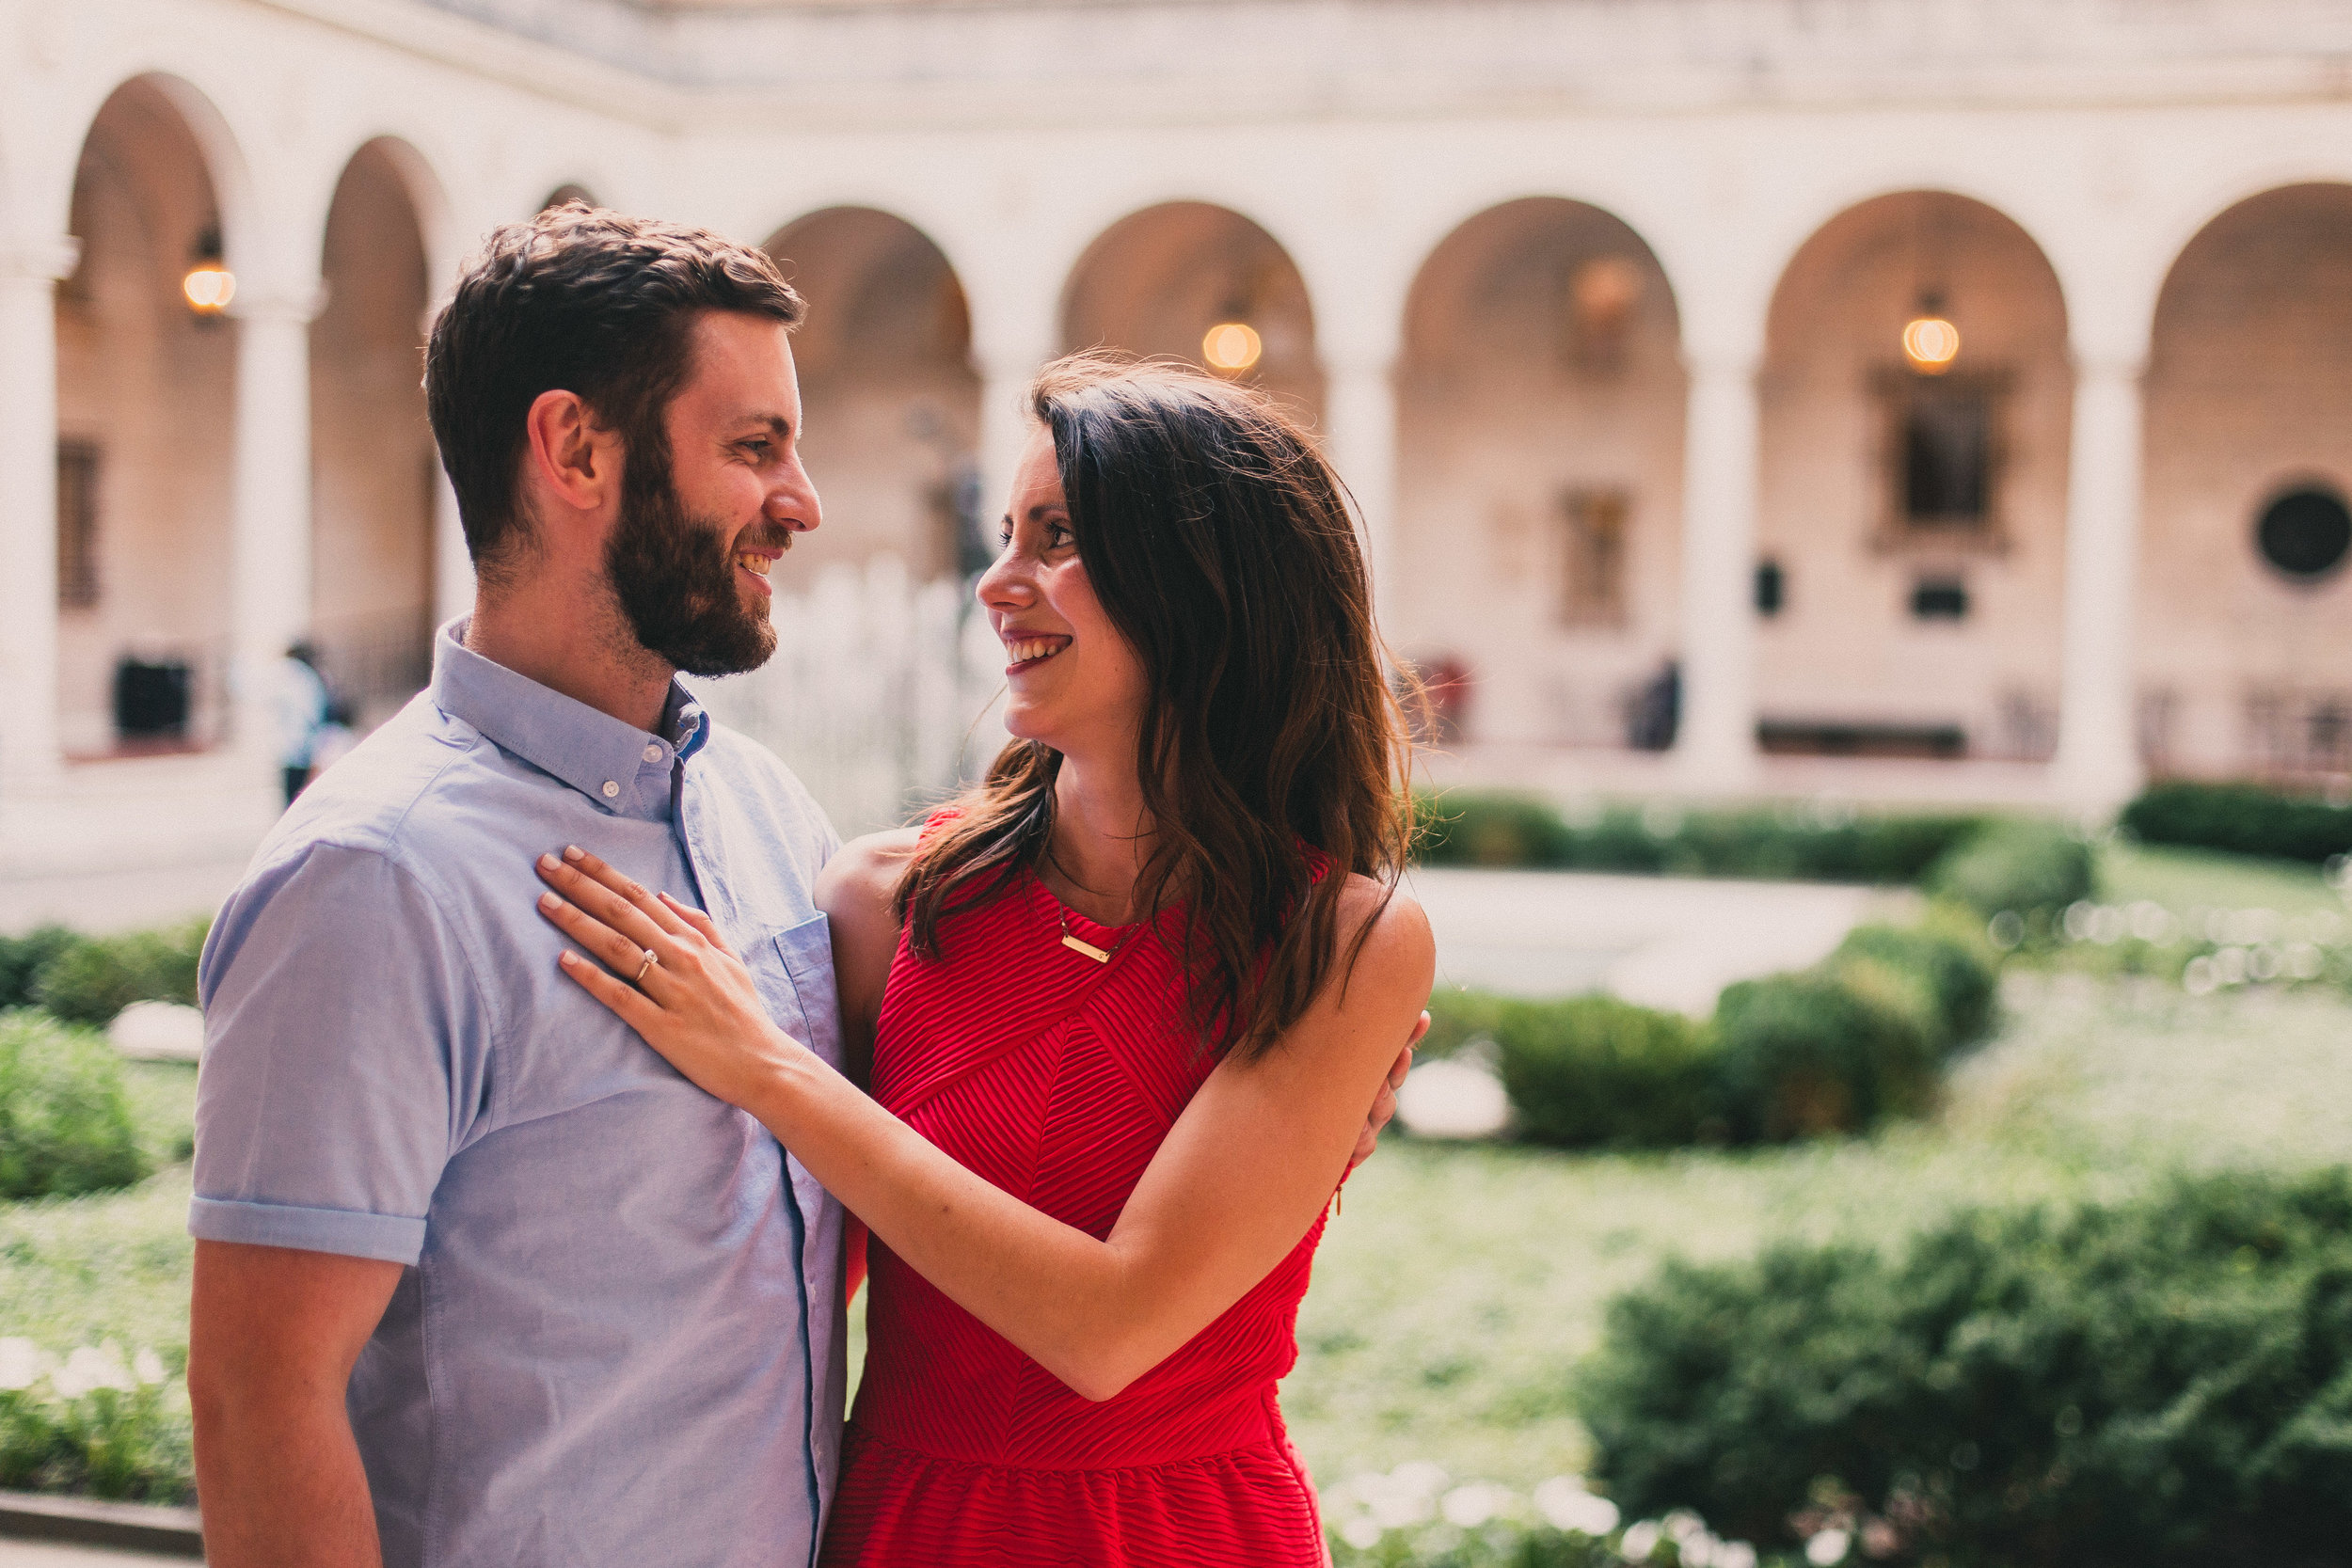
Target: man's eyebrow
774 423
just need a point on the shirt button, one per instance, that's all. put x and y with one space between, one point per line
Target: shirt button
611 789
653 754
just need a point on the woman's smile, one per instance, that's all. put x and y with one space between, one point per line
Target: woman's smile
1028 650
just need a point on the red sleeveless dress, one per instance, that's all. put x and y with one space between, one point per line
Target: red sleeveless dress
1056 1077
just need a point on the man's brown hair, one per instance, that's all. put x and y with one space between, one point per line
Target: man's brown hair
582 300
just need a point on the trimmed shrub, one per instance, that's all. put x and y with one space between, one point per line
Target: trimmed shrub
1457 1017
65 1121
1491 830
93 978
23 957
1595 1070
2244 818
1472 827
2021 866
1827 1050
1961 972
2158 1384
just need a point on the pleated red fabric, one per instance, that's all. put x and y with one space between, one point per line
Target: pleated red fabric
1055 1077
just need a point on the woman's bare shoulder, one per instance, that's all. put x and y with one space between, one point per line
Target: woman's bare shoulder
865 871
1389 935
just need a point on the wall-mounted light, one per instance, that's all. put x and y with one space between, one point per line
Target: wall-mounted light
1930 342
1231 347
209 285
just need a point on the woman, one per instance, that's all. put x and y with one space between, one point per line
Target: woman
1126 1000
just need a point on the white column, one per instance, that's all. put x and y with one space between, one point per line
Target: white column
1715 743
2098 750
270 553
28 510
1360 438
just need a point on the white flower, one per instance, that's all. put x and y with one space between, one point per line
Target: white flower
1734 1553
1453 1100
1640 1541
149 1368
90 1368
1362 1533
23 1363
1827 1548
1682 1523
2199 979
1472 1503
1564 1501
1406 1495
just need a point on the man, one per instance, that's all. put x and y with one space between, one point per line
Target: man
479 1281
298 709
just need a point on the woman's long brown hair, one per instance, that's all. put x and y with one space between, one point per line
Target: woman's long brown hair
1219 541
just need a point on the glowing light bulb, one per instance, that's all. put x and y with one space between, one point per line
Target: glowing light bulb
210 287
1930 343
1231 346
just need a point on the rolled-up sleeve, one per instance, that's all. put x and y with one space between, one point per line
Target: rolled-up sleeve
346 1057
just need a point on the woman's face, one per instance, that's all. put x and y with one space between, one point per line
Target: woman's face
1075 683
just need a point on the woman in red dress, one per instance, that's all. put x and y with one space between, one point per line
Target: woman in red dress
1127 1001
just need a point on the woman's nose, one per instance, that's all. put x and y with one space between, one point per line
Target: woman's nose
1005 583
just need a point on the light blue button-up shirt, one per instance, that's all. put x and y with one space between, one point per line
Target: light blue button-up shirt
619 1338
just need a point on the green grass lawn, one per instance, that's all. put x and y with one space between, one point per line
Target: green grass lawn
2182 879
1460 1285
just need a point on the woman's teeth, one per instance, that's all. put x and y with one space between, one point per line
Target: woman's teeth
1024 652
755 565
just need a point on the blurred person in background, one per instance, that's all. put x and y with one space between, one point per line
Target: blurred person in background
1124 999
299 706
480 1280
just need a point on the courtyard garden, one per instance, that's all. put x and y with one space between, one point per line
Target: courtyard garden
1692 1341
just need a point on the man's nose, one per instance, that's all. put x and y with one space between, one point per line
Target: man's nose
794 504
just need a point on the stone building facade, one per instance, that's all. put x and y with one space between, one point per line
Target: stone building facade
1600 304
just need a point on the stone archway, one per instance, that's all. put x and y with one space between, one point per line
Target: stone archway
1539 449
1911 515
374 472
891 403
2246 664
1162 280
145 428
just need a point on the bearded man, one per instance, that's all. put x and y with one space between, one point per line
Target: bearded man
479 1279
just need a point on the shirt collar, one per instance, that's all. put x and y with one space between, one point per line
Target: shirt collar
611 763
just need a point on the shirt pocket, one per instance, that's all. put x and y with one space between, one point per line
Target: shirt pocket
813 1012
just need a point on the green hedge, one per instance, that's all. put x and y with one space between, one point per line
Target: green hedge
22 959
1594 1071
2244 818
1472 827
2023 866
65 1120
1832 1049
90 979
1835 1048
2160 1383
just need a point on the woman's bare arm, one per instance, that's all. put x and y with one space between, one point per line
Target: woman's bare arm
854 891
1237 1181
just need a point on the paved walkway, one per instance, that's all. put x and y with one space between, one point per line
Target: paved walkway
1664 942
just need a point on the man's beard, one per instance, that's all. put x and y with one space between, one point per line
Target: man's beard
673 575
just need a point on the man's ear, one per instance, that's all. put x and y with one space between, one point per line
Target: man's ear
573 462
